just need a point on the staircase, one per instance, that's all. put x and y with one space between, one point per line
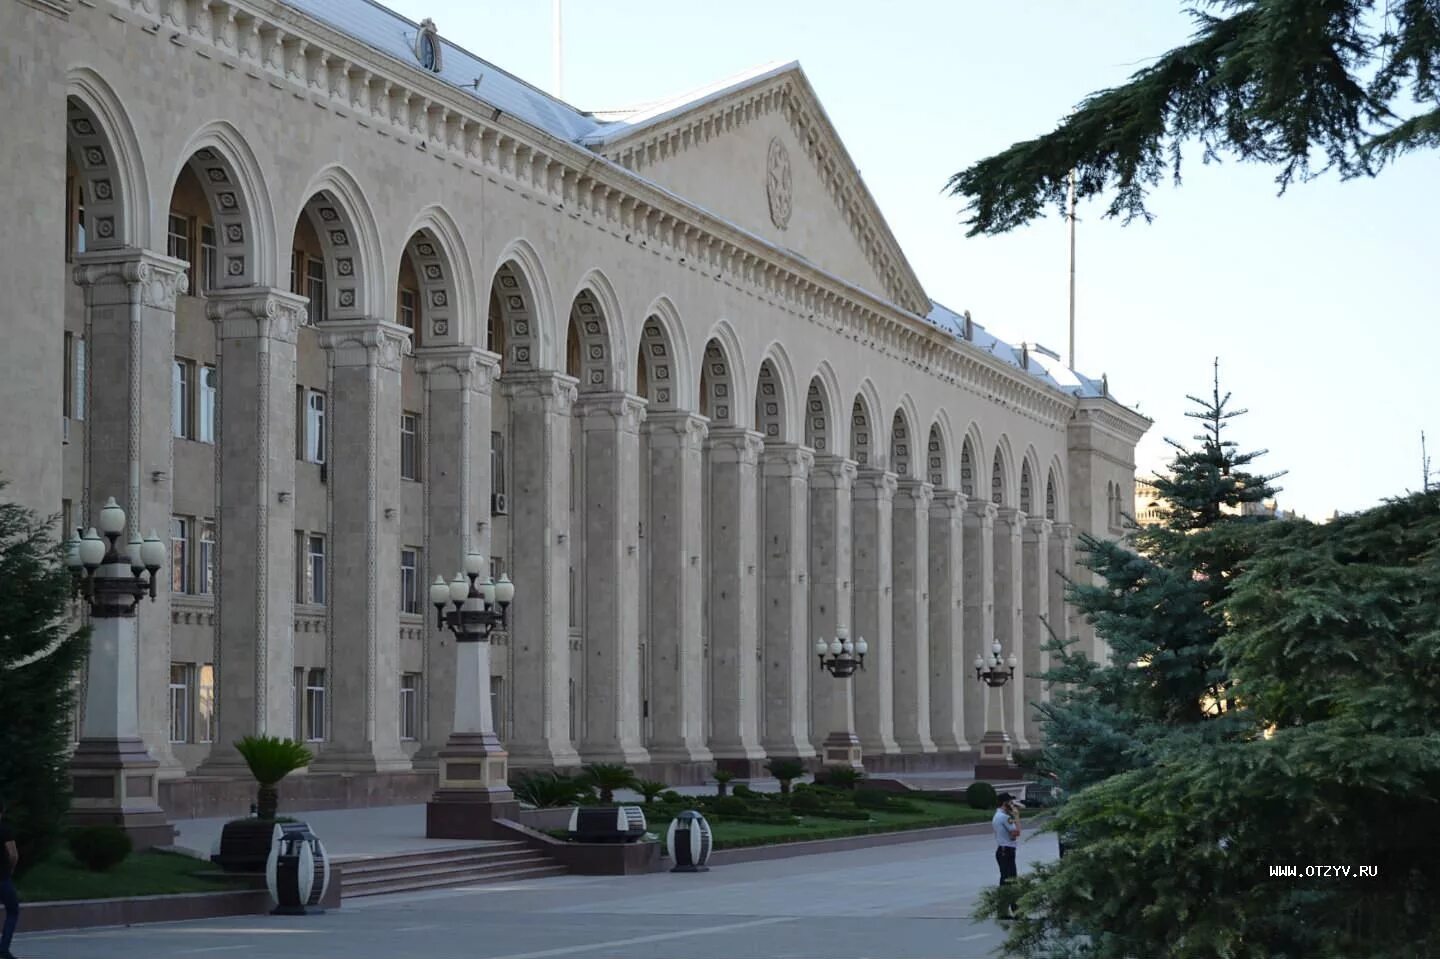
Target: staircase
475 864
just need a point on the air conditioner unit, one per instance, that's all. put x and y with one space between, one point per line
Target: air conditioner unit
499 504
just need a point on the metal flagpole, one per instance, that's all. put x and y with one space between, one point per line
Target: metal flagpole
1071 354
557 51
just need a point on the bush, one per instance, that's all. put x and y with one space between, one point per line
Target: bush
807 801
650 789
672 797
839 777
608 777
732 806
744 791
100 848
785 770
271 759
549 790
872 799
980 796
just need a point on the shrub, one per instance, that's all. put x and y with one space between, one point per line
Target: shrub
980 796
785 770
99 848
650 789
722 776
271 759
839 777
744 791
807 801
671 796
872 799
549 790
732 806
608 777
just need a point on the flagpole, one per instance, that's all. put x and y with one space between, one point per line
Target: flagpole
1071 204
557 51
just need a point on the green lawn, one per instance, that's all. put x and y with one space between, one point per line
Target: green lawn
732 835
142 874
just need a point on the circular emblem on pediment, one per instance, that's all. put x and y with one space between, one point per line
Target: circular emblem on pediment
777 183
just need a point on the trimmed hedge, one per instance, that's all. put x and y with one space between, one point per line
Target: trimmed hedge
100 848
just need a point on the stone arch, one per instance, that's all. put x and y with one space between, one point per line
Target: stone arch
661 374
721 378
937 454
867 439
593 337
229 175
970 476
520 311
1056 495
905 459
1002 488
447 286
1027 488
822 433
774 390
350 241
112 172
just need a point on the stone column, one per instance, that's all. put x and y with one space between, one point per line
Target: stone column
363 654
255 628
873 502
979 620
610 458
832 701
540 404
456 420
1061 614
130 330
911 627
1036 582
1009 611
675 529
785 548
950 673
733 629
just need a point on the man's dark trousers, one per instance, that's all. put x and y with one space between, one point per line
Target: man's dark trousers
12 912
1005 856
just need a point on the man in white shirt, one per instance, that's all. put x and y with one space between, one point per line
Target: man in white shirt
1006 824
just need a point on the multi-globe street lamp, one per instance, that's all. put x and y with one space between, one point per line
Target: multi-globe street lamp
995 747
841 658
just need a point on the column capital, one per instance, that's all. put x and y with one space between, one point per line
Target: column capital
735 444
151 279
951 500
787 460
919 492
677 427
984 511
257 312
873 484
554 392
364 342
610 412
1062 530
833 472
1038 528
457 367
1010 516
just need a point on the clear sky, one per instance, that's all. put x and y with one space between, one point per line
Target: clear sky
1323 305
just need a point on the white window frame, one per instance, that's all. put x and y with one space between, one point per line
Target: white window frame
208 392
409 707
177 238
209 259
181 533
205 703
315 569
315 288
182 399
315 705
180 718
78 361
407 311
410 446
315 412
206 558
410 580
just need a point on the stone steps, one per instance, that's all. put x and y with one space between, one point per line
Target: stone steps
445 867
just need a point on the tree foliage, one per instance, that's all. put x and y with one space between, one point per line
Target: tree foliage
1334 760
40 655
1305 85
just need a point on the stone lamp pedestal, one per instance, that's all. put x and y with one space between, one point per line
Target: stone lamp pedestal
474 767
996 748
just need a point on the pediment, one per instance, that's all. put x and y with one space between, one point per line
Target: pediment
760 152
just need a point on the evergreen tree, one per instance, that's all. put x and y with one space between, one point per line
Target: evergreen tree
40 655
1347 84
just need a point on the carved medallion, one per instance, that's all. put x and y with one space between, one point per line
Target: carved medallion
777 183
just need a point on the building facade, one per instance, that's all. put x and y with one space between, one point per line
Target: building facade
339 301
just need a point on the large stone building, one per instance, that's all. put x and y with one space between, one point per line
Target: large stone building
338 301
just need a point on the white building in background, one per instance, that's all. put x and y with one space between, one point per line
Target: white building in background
338 301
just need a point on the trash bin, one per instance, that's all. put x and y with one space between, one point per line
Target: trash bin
298 871
607 824
688 842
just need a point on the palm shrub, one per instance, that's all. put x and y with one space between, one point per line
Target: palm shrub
722 779
650 789
785 771
549 790
271 759
840 777
608 777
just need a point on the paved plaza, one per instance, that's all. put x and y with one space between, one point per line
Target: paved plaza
908 900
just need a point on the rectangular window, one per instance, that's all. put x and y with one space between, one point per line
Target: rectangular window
209 256
314 426
409 446
205 559
297 272
77 399
409 706
315 569
408 300
409 580
301 570
67 398
297 703
315 289
177 241
574 600
497 462
181 675
205 705
181 387
209 390
315 705
179 554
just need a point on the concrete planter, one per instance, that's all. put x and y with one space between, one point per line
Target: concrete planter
546 819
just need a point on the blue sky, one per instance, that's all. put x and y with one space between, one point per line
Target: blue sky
1322 304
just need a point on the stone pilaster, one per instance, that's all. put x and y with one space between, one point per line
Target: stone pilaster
1035 550
832 706
675 531
950 678
363 654
911 620
733 628
610 510
785 651
130 328
1061 615
979 621
540 404
255 628
1009 612
873 506
456 419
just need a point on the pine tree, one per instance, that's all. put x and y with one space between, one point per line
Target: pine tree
40 655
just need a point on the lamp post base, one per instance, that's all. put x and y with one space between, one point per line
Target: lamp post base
114 783
842 749
996 757
473 792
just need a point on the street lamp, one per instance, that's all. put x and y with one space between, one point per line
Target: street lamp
995 746
841 658
473 790
113 776
994 676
